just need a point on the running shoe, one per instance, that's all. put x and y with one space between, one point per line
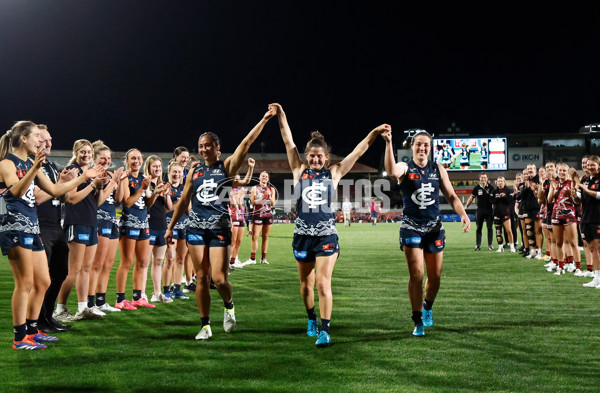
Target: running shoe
53 322
490 248
552 267
142 303
160 298
512 248
592 284
237 264
179 295
500 248
108 307
250 262
264 261
578 273
96 310
168 294
419 330
312 329
27 343
477 248
87 314
229 320
589 274
427 317
323 339
64 316
205 333
559 271
570 268
41 337
125 305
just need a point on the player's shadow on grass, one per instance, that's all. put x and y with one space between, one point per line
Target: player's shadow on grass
500 326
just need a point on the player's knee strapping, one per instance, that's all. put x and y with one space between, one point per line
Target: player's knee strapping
499 237
529 230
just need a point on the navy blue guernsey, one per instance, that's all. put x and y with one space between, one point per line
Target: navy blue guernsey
465 155
314 213
210 209
84 211
21 213
107 210
136 216
484 154
175 196
420 195
49 212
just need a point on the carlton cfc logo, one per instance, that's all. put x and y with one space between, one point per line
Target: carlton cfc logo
206 192
313 195
421 197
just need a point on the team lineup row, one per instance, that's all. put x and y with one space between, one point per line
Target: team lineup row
197 220
552 207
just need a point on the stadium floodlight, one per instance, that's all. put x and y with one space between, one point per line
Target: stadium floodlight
590 129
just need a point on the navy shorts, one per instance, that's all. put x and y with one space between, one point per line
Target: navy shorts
308 248
238 223
263 220
432 242
29 241
499 220
136 233
179 234
108 229
374 214
157 237
563 221
209 237
590 232
82 234
534 215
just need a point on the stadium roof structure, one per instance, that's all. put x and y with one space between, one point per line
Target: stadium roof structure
270 162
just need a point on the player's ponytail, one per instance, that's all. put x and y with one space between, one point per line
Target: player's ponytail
12 138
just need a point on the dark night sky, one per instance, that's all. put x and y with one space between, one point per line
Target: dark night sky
154 74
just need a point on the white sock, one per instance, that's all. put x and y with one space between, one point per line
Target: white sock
60 308
81 306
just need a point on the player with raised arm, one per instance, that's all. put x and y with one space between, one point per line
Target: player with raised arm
422 235
315 243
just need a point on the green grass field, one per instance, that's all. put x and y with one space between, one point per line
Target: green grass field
501 324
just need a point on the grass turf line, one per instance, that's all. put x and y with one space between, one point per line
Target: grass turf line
501 323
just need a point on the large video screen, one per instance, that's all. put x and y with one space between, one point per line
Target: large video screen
468 154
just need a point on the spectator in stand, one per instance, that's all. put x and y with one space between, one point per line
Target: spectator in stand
483 193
